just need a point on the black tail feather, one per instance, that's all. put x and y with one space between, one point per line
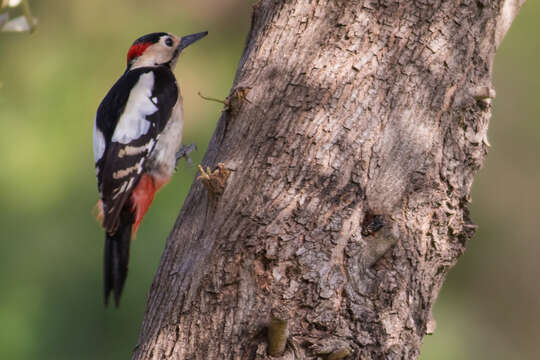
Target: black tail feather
116 257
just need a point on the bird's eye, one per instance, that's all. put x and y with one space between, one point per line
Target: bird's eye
169 42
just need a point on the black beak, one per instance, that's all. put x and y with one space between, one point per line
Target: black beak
187 40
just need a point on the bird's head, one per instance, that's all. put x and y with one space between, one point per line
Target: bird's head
159 49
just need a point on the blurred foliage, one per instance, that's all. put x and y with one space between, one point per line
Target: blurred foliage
50 274
23 22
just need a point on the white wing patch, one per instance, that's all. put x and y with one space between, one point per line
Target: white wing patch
99 144
133 123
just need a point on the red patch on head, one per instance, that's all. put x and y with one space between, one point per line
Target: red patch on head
137 50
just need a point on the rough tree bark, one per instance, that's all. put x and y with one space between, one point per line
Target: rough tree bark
349 145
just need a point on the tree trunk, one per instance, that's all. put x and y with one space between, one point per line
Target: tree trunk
349 144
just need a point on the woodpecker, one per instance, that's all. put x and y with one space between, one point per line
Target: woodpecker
137 133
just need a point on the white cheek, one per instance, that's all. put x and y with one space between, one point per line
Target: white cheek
132 123
99 143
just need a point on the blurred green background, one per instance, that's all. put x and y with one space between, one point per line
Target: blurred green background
51 249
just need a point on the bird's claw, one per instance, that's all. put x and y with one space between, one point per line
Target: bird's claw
184 152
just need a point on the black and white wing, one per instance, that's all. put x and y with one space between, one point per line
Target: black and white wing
127 127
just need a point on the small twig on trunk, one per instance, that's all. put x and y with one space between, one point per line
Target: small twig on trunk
278 332
339 354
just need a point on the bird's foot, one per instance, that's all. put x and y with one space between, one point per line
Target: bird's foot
184 152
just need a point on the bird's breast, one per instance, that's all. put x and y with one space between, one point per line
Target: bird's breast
163 158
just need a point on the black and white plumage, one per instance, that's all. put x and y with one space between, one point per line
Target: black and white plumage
130 122
137 132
